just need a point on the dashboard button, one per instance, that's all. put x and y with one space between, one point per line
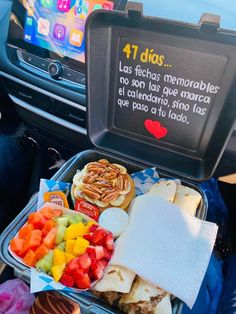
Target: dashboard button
43 64
69 74
80 78
29 58
55 69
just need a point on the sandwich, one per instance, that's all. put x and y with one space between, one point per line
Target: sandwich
145 298
164 188
131 294
116 280
187 199
182 196
104 184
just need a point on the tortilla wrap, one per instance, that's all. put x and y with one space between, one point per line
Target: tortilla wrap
187 199
116 278
164 188
145 298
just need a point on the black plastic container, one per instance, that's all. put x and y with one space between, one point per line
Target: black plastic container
89 303
160 91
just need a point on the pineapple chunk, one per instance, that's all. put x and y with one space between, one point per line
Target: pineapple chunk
81 245
74 231
70 244
59 257
57 271
69 257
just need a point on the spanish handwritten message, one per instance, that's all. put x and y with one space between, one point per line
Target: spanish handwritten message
165 93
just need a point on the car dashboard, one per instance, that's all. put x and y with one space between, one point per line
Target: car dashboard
49 92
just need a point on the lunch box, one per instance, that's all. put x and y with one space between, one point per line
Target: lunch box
89 303
130 59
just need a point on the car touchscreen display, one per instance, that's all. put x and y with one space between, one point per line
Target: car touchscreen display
58 25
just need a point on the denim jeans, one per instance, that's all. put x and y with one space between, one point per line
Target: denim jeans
211 290
15 164
212 287
15 170
228 301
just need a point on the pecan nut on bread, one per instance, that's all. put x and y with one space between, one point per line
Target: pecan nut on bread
54 303
104 184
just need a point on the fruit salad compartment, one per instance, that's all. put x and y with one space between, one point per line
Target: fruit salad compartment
88 301
69 246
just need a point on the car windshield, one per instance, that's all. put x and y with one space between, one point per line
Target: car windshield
191 10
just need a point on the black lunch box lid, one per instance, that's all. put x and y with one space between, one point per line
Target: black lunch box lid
160 91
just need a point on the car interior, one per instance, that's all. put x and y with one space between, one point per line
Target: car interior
51 108
43 98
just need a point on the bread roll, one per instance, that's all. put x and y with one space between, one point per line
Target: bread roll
104 184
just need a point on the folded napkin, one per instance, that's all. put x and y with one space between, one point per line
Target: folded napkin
166 246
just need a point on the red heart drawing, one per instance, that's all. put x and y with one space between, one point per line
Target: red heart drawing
155 128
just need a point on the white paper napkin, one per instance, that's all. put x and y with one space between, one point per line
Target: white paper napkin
166 246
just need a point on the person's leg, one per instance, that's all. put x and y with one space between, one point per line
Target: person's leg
211 290
228 301
212 287
15 170
15 164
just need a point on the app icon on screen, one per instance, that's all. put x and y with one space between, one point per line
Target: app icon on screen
76 37
63 5
97 7
29 21
28 37
43 26
108 5
31 3
47 3
81 6
59 32
78 7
